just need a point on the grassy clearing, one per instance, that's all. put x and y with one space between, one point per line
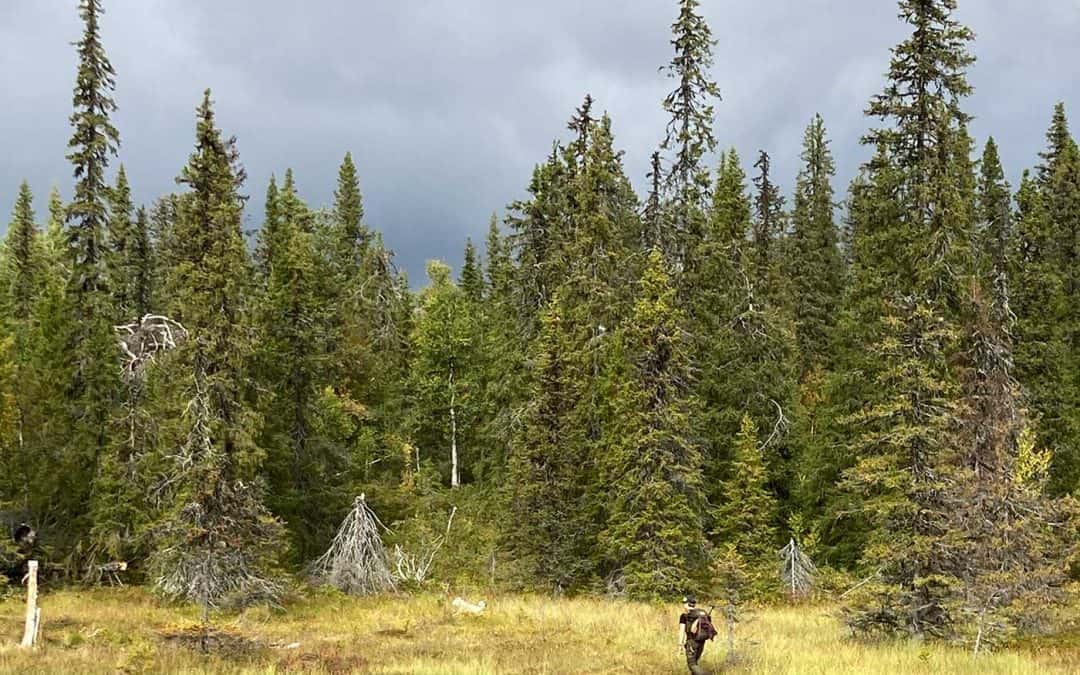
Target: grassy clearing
107 631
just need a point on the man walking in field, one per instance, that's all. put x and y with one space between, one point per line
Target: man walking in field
695 627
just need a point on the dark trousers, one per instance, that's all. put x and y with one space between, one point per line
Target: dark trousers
694 648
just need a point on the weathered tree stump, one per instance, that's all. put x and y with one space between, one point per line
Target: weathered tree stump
33 612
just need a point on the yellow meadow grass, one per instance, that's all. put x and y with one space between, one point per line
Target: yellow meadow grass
129 631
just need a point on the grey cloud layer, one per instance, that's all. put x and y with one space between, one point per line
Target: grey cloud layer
446 105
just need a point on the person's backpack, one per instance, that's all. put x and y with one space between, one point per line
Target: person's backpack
702 628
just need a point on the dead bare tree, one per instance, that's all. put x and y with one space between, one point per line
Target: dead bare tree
356 562
414 568
797 570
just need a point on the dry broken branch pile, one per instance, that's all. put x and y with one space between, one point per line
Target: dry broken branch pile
414 568
356 562
140 341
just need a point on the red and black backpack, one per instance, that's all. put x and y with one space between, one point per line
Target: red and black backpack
701 626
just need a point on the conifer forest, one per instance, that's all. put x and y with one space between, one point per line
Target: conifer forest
864 393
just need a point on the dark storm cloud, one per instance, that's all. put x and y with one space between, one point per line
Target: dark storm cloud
446 105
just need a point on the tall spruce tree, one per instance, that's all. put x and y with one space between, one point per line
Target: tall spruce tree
540 227
22 260
92 352
210 281
816 268
120 262
768 236
652 471
349 213
143 265
43 397
941 424
503 372
547 533
746 519
472 275
995 238
119 506
371 325
23 270
899 442
689 132
927 82
216 514
744 342
270 234
1040 303
602 255
768 221
55 237
1050 322
94 138
304 468
577 237
912 212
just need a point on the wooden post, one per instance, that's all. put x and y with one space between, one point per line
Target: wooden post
33 613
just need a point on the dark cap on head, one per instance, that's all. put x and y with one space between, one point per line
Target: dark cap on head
690 600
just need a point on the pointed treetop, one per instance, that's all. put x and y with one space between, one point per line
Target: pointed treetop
271 214
991 161
731 204
1058 141
213 153
499 265
56 214
816 271
690 104
581 124
266 247
993 190
93 139
349 206
472 278
20 246
927 81
768 203
818 163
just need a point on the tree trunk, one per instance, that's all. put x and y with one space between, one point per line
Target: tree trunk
791 543
455 479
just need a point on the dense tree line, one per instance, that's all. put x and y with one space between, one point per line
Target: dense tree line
643 390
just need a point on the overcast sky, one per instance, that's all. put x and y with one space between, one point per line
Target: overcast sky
446 105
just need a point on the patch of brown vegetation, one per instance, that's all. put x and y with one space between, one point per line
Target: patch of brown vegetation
213 641
332 663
